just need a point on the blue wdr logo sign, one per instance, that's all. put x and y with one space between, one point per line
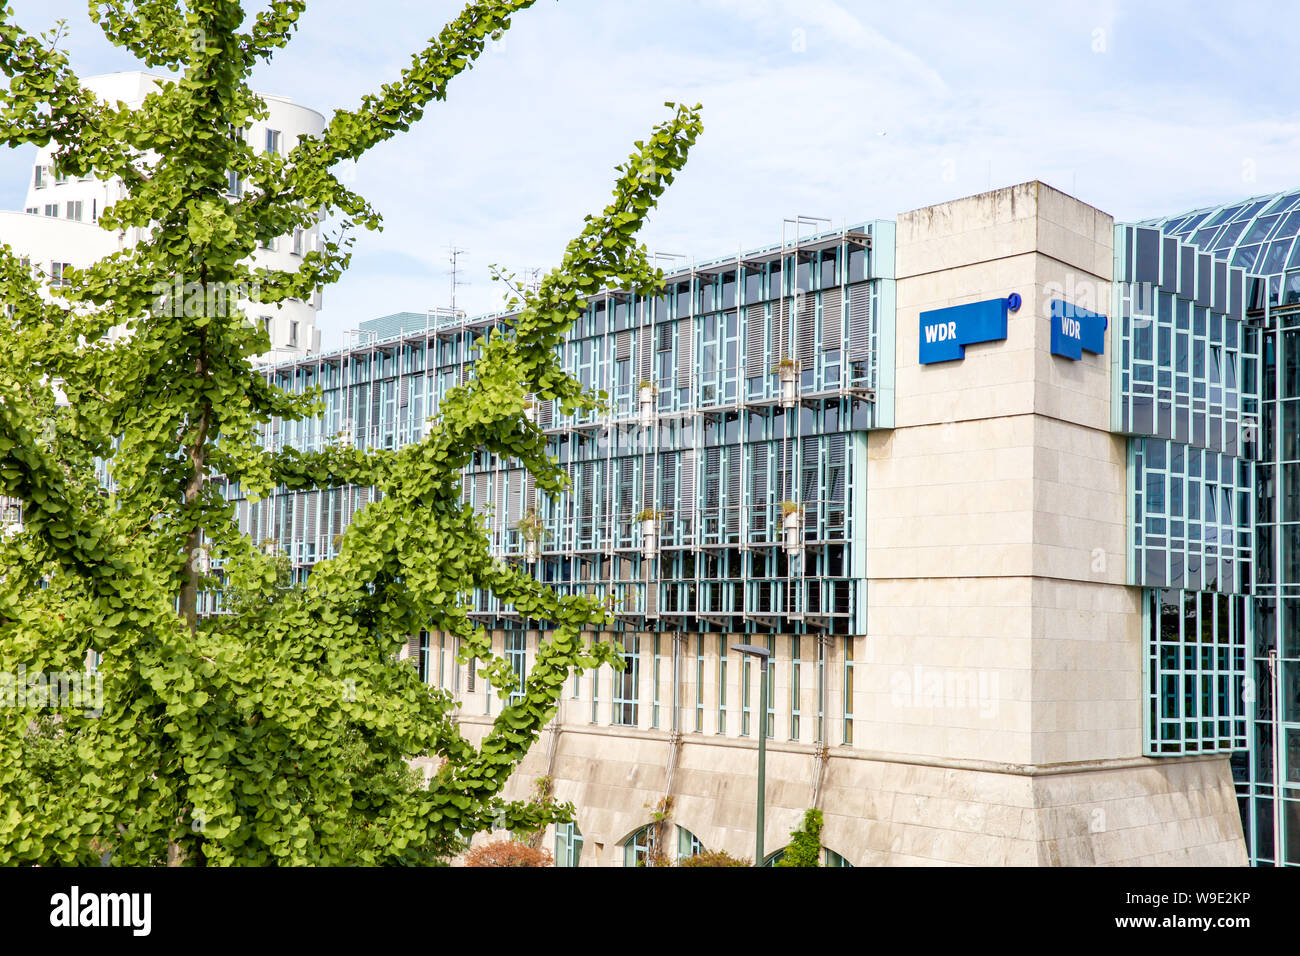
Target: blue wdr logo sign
1076 330
945 333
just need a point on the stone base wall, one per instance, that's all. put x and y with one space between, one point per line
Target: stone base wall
882 810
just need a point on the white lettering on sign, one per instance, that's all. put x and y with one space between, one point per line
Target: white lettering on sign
1070 327
941 332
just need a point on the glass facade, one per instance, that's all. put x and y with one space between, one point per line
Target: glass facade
1258 237
747 385
1186 372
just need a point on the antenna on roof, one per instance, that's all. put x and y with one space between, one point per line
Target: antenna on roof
453 255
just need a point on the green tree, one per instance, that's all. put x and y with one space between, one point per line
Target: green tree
805 847
281 732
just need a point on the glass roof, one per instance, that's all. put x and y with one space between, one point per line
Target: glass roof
1257 235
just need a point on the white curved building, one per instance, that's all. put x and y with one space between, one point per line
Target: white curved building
59 224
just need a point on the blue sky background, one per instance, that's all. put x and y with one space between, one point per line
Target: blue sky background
851 110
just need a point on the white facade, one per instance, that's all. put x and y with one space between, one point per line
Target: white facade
59 222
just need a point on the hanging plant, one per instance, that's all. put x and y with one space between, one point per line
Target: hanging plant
530 526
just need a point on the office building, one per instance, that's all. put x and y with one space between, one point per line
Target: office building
995 481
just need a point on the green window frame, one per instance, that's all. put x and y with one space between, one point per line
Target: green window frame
568 844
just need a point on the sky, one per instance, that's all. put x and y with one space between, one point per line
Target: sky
848 110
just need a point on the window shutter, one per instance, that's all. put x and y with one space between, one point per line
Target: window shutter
755 335
859 321
832 319
685 362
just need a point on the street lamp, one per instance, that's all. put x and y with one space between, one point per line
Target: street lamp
762 653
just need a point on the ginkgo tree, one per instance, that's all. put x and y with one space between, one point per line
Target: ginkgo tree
282 731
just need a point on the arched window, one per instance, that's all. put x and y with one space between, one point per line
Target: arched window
637 847
829 858
688 844
568 844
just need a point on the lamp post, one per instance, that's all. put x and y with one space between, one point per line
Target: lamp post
762 653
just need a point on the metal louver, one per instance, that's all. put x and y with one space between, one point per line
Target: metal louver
755 333
832 318
687 500
712 483
859 321
685 361
781 328
733 489
805 329
644 342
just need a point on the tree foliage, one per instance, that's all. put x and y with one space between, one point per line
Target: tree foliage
805 848
280 732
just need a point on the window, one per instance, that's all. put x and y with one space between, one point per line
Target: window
273 141
52 209
266 327
699 684
834 859
821 690
455 665
442 660
627 682
293 333
744 695
688 844
33 210
722 683
637 847
796 651
770 676
232 184
59 175
58 273
654 710
595 693
40 178
422 664
74 210
517 655
297 240
568 844
848 691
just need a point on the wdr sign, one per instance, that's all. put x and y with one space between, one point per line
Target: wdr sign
945 333
1076 330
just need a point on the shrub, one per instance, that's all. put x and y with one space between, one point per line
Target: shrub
713 858
508 853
